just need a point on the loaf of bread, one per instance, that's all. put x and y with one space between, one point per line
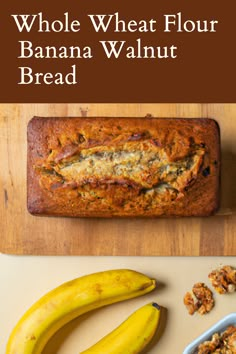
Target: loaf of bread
105 167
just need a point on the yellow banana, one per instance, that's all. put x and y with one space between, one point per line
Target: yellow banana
70 300
132 336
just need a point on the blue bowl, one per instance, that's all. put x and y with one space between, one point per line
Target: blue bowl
219 327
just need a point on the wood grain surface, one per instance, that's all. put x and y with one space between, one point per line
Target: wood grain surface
21 233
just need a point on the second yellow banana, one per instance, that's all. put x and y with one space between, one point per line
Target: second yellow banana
132 336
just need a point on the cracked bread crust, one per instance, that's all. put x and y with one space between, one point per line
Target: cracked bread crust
106 167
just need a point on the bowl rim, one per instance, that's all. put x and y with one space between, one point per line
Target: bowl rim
219 326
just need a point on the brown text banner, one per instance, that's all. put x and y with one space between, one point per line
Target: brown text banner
119 51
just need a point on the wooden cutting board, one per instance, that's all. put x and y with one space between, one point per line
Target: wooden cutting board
22 233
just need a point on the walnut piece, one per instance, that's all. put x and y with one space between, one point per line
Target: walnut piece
200 299
223 280
210 346
224 343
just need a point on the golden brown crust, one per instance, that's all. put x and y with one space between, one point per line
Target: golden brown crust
123 167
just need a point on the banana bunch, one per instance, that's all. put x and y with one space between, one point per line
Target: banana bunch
79 296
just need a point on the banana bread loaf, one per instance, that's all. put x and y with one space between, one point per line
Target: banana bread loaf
104 167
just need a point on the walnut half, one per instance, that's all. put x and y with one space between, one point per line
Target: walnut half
223 280
200 299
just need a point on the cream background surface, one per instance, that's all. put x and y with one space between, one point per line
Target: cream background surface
24 279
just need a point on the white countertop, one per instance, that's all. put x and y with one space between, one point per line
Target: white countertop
24 279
